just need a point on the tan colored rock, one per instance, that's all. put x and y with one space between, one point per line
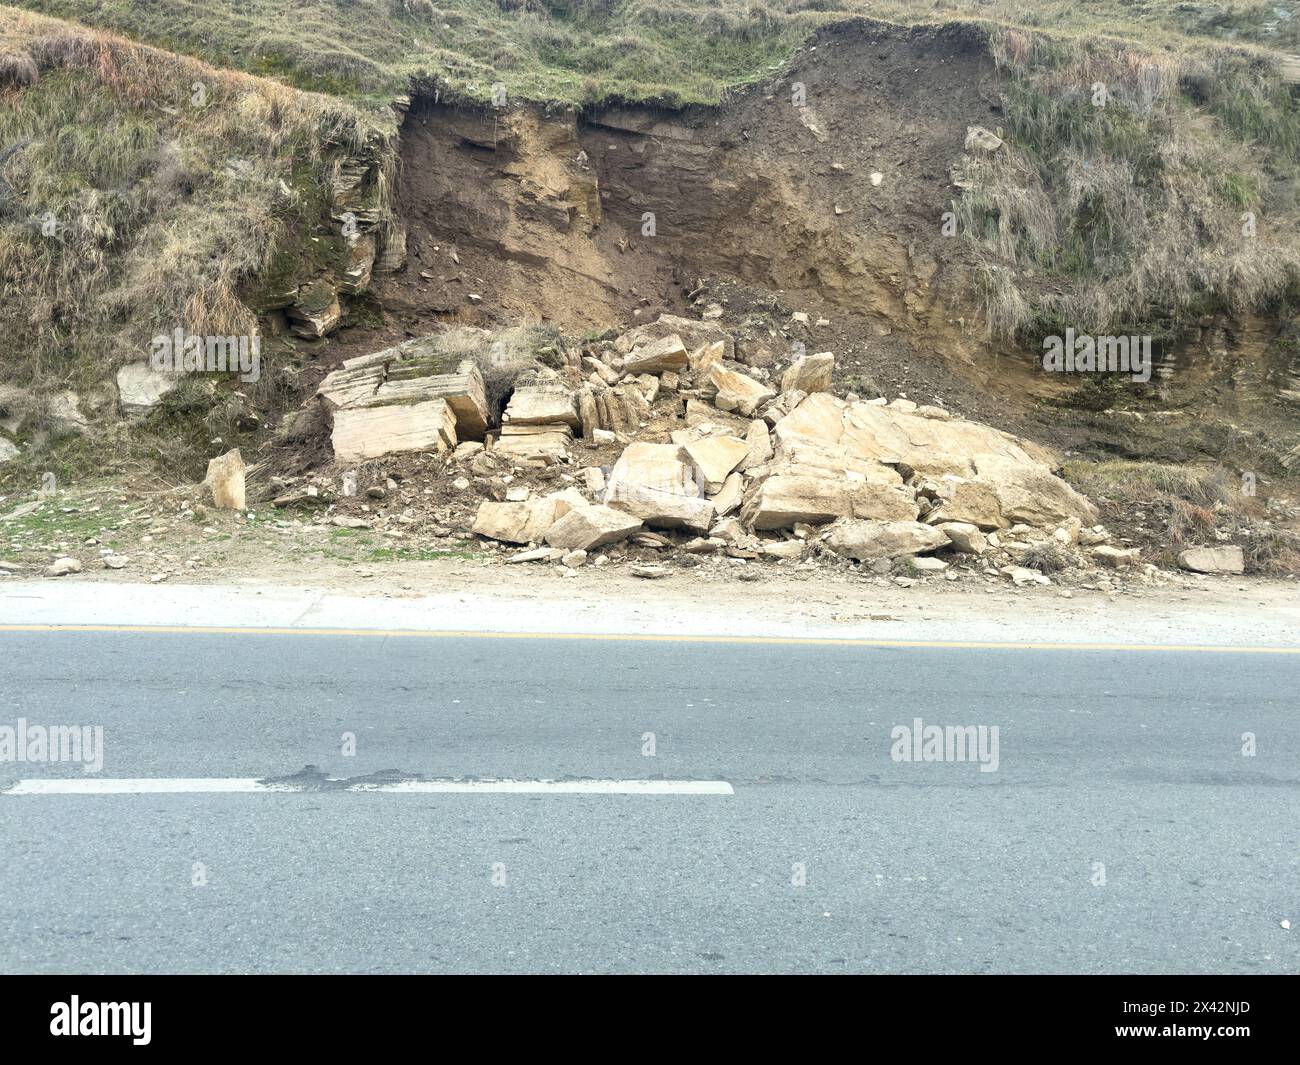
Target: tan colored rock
412 372
537 445
518 523
140 388
316 311
225 481
669 353
372 429
736 392
590 526
1115 557
987 477
760 445
707 356
786 549
541 405
694 334
810 373
715 457
870 540
656 483
779 501
966 538
729 496
1212 560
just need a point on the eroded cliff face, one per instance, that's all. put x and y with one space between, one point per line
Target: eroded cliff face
823 190
827 186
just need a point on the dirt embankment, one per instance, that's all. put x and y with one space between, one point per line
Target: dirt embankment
822 191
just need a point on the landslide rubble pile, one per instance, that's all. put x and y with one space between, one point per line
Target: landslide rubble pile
656 448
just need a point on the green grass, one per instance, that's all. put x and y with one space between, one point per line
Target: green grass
163 206
579 51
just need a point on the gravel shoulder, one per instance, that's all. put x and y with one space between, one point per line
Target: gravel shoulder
477 597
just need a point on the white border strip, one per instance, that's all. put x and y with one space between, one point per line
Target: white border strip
248 785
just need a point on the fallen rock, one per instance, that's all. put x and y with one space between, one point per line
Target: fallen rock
61 567
779 501
650 572
668 353
414 371
1115 557
518 523
590 526
868 540
541 405
966 538
316 311
1211 559
535 445
8 451
729 496
986 477
759 441
810 373
715 457
140 387
736 392
653 482
979 139
372 428
224 484
539 554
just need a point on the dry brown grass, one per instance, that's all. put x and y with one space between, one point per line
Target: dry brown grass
165 179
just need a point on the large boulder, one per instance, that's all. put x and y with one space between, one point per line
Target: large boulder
657 484
372 428
590 526
542 404
715 457
736 392
524 522
224 483
986 477
1213 560
414 371
867 541
657 356
782 500
809 373
140 387
694 334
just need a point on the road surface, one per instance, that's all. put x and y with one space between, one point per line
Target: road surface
1123 830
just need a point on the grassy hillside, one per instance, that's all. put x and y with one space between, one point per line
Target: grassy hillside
142 189
574 51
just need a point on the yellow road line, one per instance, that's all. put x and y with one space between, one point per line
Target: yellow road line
815 641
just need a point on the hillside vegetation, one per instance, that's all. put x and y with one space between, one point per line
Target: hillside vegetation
143 187
178 148
579 51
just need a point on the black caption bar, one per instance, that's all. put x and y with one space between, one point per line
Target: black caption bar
336 1014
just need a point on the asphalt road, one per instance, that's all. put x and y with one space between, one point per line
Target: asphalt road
1123 830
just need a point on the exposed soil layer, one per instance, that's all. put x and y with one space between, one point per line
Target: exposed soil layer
822 192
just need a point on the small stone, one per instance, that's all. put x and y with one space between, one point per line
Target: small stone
650 572
61 567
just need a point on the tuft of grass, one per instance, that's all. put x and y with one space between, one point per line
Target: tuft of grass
1137 188
152 188
584 51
